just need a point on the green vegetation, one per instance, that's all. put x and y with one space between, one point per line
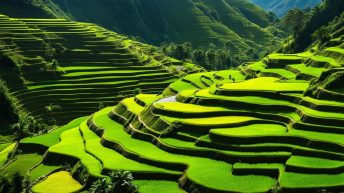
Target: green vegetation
151 123
4 153
87 64
280 8
120 182
148 186
21 164
59 182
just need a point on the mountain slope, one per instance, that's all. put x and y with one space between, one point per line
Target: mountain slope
158 21
281 7
330 10
74 65
215 131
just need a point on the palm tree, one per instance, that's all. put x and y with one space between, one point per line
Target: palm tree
24 124
17 130
51 108
100 186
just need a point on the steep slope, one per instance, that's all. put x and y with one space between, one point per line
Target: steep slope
325 13
238 23
216 132
216 22
31 8
75 65
281 7
272 125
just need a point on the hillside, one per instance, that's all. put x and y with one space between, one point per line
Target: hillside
329 11
75 66
87 110
272 125
238 22
281 7
32 9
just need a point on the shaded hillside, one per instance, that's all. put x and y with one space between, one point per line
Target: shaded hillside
216 22
75 66
31 8
320 16
251 129
281 7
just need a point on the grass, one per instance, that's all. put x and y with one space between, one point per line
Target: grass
268 101
252 130
42 170
335 49
21 164
281 72
313 162
112 159
147 98
149 186
53 137
72 145
300 180
99 59
187 108
59 182
308 69
212 121
103 65
215 175
330 137
6 149
268 84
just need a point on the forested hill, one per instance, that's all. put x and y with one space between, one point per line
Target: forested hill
281 7
238 22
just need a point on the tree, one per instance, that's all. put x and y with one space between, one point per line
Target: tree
27 124
122 182
51 108
119 182
211 56
100 186
5 185
137 91
321 34
183 51
17 183
295 19
101 105
27 185
198 57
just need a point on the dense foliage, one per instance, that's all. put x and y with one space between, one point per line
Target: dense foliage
212 57
120 182
7 104
319 16
281 7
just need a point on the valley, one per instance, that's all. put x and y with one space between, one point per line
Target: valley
86 108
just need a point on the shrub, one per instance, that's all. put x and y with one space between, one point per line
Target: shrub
100 105
120 182
28 125
137 91
7 104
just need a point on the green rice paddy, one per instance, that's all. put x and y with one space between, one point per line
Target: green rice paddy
246 130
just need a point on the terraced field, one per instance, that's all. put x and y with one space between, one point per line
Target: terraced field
212 132
260 128
95 65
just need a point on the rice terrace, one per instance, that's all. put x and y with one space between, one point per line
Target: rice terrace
167 96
